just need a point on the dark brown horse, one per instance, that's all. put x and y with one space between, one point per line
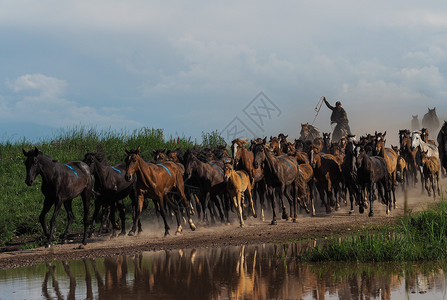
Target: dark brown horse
61 183
111 187
430 120
410 155
327 173
372 170
350 178
210 177
155 181
280 173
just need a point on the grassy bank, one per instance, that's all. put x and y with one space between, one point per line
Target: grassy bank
20 205
422 236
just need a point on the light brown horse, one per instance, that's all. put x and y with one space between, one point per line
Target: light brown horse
238 185
390 157
154 181
430 166
402 169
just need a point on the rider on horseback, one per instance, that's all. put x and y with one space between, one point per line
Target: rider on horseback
340 117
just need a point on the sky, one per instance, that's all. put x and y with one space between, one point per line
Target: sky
241 68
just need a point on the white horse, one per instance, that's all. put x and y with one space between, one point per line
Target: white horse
416 141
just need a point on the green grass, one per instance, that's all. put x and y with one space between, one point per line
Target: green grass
20 205
418 237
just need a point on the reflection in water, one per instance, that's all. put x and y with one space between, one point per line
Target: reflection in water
245 272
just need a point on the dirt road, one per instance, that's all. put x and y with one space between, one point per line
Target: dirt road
255 232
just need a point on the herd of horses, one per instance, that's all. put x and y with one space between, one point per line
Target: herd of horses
242 178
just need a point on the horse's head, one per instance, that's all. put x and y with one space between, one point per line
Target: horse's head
299 145
132 162
415 139
275 145
259 155
282 137
160 154
221 152
236 145
91 158
32 165
432 112
305 132
415 117
228 169
190 160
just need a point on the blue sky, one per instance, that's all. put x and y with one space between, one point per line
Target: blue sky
189 67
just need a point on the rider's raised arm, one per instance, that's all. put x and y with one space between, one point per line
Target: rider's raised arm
327 104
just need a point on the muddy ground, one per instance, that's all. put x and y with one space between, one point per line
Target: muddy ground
218 235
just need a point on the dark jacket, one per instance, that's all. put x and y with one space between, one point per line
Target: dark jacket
338 115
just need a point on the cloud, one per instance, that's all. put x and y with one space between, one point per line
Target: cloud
47 106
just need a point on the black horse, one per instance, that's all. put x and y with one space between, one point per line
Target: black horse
111 187
61 183
349 172
372 170
442 147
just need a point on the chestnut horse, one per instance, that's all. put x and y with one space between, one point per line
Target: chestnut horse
430 166
238 185
410 155
61 183
308 132
155 181
111 187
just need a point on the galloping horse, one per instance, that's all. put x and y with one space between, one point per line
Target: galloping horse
327 172
418 143
442 144
349 172
430 165
238 184
61 183
373 170
390 157
154 181
210 177
410 155
280 172
111 188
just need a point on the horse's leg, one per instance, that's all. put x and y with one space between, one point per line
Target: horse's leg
393 188
280 194
248 195
186 204
238 206
271 195
86 196
432 179
70 218
311 196
161 204
437 183
292 204
57 209
137 208
370 190
46 207
219 207
95 214
122 214
262 191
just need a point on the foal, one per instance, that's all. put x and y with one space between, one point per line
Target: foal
238 184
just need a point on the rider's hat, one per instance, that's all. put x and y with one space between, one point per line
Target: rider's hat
337 103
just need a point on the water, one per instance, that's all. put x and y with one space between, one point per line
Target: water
244 272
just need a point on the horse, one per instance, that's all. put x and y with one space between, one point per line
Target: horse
418 143
111 187
326 142
155 180
210 177
61 183
415 123
430 165
442 146
275 145
390 157
238 184
308 132
401 168
281 173
410 155
327 172
243 160
430 120
372 170
349 173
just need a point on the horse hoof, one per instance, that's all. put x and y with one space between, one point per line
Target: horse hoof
48 246
294 220
131 233
274 222
371 214
351 212
192 226
361 210
122 233
255 215
242 225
